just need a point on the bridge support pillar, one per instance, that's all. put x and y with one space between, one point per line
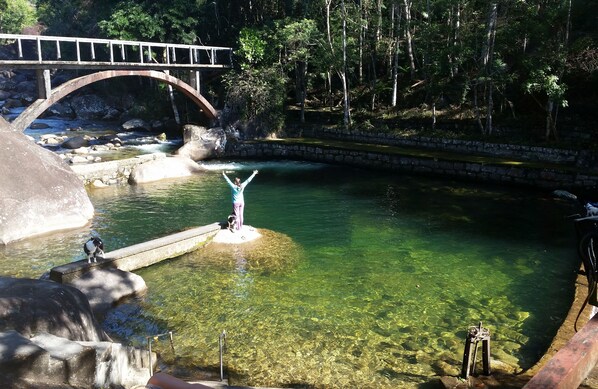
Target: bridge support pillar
195 80
44 85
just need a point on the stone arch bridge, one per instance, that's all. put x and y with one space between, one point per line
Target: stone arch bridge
107 59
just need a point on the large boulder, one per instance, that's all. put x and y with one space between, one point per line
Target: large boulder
49 361
31 307
104 288
39 193
90 107
159 169
75 142
202 143
136 125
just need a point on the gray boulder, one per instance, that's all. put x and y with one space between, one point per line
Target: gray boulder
89 107
31 307
39 193
136 124
48 361
60 109
104 288
202 143
75 142
159 169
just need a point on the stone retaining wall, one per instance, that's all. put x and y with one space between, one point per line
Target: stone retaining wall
498 173
577 158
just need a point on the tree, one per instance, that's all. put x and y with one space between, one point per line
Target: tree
298 42
15 15
546 83
255 100
130 21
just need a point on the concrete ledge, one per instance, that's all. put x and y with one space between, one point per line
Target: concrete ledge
572 363
139 255
112 169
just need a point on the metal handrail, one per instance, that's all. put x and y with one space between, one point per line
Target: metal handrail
169 57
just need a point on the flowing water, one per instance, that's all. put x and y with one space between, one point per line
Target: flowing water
388 271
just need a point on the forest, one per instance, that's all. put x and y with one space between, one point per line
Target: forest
531 65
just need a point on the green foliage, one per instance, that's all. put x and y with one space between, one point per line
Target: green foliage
546 82
298 39
130 21
252 47
535 45
15 15
74 17
255 100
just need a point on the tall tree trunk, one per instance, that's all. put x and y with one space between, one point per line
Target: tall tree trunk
489 74
346 99
302 69
395 65
362 32
487 55
550 124
329 37
476 107
407 6
175 110
490 27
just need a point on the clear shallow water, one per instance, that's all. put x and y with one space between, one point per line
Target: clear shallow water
393 271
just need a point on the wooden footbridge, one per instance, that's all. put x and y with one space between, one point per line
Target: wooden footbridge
107 58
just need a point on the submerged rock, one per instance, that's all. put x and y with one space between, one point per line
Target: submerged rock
273 251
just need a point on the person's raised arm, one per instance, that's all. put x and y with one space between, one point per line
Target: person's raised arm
247 181
227 179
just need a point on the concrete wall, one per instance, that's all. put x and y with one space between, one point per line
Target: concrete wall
581 158
565 178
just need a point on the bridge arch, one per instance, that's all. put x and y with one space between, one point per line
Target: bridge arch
39 106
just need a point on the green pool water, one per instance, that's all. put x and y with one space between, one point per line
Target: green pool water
390 272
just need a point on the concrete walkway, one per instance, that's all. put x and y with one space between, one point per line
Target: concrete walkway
140 255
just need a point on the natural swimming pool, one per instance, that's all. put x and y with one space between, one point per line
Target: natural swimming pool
392 271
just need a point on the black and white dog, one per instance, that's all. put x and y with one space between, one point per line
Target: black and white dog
591 209
232 222
94 248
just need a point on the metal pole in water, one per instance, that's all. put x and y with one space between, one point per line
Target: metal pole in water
149 348
221 340
475 335
466 366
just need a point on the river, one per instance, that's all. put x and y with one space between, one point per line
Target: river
390 271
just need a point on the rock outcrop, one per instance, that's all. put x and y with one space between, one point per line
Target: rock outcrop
50 338
31 307
159 169
39 193
202 143
106 287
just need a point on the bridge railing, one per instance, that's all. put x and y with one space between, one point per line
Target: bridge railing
42 51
